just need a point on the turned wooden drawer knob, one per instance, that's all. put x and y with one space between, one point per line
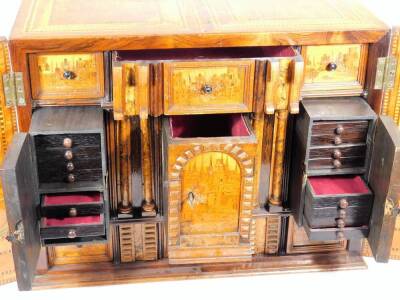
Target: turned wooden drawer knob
70 167
67 143
73 212
340 223
339 129
71 178
69 75
337 154
72 234
337 140
337 164
342 213
331 66
207 89
68 155
343 204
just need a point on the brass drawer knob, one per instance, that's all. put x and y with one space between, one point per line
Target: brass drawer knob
337 141
337 154
340 235
342 213
207 89
69 75
343 203
67 143
339 129
72 234
68 155
331 66
71 178
337 164
340 223
70 167
73 212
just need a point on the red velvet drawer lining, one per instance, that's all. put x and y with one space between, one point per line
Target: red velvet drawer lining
89 220
70 199
336 185
208 126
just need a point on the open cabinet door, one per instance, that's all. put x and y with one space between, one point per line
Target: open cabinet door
8 126
21 197
385 182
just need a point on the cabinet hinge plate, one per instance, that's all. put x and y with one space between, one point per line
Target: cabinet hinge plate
14 89
385 73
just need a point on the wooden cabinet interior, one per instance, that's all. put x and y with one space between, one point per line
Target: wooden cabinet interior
213 143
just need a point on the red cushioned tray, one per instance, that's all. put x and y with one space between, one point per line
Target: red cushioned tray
72 199
88 220
336 185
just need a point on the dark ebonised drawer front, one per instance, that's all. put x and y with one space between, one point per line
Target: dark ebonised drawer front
72 205
337 202
72 228
69 158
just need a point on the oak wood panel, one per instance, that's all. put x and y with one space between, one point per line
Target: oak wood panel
8 126
48 81
230 83
347 79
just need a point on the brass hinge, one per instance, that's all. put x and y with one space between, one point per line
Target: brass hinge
14 89
18 235
385 73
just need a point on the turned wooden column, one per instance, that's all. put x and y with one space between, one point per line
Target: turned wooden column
125 206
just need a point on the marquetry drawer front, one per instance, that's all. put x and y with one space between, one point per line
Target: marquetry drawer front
334 70
69 158
204 87
337 204
210 173
72 205
61 77
72 228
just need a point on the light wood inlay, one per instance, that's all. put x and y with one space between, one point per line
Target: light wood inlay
49 82
348 77
229 83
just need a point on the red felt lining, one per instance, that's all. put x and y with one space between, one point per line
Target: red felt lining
69 199
206 53
52 222
208 126
333 185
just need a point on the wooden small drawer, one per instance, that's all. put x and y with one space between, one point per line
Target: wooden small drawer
63 77
204 87
336 164
72 205
72 228
69 158
337 202
324 133
334 70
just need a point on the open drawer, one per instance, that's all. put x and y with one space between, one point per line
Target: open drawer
337 206
209 172
199 81
72 204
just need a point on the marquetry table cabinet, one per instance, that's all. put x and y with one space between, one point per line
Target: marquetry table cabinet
173 139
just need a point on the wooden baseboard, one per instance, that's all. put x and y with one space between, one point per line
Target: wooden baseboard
89 275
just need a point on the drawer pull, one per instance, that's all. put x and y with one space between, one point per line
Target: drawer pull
342 213
337 154
207 89
72 234
73 212
340 235
68 155
337 164
343 204
70 167
67 143
339 129
337 140
340 223
69 75
331 66
71 178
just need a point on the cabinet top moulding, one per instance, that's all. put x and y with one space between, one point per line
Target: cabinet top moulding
97 25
